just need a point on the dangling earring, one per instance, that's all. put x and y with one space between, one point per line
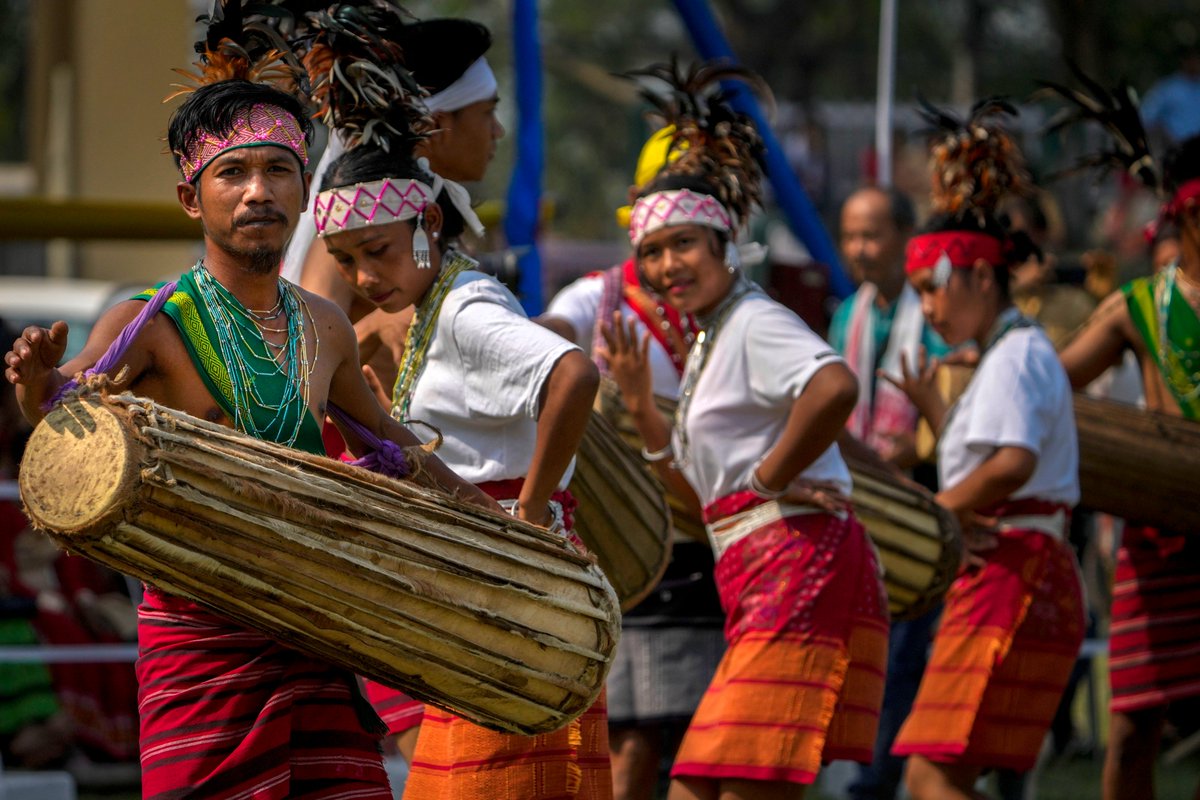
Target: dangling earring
733 259
420 244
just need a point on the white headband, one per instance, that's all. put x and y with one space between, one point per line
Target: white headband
676 207
476 84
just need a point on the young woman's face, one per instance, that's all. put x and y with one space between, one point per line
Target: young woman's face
377 261
956 309
685 265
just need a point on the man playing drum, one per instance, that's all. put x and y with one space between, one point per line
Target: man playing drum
224 711
1153 658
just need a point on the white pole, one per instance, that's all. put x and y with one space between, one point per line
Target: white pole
886 86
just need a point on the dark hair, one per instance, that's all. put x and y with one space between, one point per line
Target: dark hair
368 163
214 107
1182 163
903 212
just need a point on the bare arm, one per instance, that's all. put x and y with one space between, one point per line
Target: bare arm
559 325
1004 472
31 362
816 419
320 276
1101 342
565 406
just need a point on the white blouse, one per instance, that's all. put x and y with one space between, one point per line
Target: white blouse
486 365
578 303
1018 397
763 357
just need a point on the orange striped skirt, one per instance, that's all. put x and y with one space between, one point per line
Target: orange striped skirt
802 681
458 760
1009 636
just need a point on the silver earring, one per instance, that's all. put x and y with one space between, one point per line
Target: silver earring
420 244
733 259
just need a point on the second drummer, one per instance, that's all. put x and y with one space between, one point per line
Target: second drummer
510 398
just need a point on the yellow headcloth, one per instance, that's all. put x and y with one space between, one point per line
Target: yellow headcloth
656 154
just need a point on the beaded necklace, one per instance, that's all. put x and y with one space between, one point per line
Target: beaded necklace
710 325
251 362
1179 370
420 332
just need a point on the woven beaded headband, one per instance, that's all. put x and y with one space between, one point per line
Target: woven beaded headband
261 125
373 203
676 207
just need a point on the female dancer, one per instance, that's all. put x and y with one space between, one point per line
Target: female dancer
761 402
1008 463
510 398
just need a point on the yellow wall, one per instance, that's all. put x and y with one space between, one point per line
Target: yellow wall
118 56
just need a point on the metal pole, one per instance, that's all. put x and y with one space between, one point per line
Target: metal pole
885 93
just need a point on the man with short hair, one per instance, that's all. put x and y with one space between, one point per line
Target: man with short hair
225 711
873 329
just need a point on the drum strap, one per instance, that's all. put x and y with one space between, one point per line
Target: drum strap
728 531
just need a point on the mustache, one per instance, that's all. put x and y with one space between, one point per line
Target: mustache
250 218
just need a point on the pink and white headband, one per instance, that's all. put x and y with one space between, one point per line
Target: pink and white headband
384 201
676 207
260 125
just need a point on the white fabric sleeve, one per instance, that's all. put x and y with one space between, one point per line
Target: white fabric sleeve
1013 402
506 356
577 303
783 354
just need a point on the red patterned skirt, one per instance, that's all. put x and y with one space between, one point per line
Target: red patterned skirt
802 681
227 713
1154 642
1008 638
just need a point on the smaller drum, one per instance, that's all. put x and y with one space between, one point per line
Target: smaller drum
498 621
684 519
622 517
918 541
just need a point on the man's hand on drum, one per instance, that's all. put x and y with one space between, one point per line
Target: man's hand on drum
35 354
628 359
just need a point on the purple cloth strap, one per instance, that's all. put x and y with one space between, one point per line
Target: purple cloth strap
386 457
116 350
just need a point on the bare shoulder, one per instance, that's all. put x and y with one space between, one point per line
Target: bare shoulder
1113 315
327 315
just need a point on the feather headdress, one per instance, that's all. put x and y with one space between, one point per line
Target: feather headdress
975 162
360 84
1116 110
710 141
240 44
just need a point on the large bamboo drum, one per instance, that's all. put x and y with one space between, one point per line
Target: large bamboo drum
1139 465
495 620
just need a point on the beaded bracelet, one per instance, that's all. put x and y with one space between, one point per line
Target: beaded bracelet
756 486
658 455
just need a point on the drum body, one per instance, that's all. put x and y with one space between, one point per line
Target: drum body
918 542
623 516
1137 464
685 521
495 620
